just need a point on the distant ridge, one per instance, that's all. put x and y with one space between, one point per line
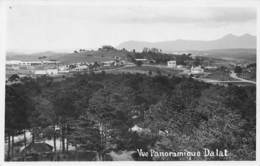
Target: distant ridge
228 41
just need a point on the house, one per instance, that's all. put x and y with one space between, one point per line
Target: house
142 60
81 67
211 67
108 63
13 62
51 62
37 148
24 63
64 68
40 72
52 71
197 70
138 129
171 64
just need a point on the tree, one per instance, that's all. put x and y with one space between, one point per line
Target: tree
16 114
85 134
138 63
63 102
14 77
103 113
150 73
238 70
44 119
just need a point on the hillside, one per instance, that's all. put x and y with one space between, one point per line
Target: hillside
66 58
242 55
227 42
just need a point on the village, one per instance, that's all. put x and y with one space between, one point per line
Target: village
197 67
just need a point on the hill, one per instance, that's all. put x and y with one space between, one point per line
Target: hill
241 55
66 58
227 42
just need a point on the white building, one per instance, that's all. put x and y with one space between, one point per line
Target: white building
13 62
81 67
196 70
63 68
108 63
50 72
40 72
180 66
171 64
142 60
23 63
50 62
136 128
211 67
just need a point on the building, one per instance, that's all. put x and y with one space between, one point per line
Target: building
196 70
40 72
37 148
108 63
180 67
49 72
13 62
51 62
142 60
81 67
171 64
63 68
52 71
211 67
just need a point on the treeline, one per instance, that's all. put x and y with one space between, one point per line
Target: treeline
96 112
159 57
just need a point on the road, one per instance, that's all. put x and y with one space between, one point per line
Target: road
234 75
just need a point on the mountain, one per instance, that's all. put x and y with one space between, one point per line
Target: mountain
228 41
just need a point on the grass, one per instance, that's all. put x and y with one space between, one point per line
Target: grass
220 75
68 58
145 70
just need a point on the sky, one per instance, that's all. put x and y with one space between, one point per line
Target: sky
60 26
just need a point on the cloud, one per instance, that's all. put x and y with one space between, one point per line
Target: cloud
233 14
183 15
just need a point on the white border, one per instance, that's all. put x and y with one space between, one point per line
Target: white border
194 3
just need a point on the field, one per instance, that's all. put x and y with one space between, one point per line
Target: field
67 58
235 55
149 70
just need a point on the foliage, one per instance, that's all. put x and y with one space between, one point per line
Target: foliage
95 112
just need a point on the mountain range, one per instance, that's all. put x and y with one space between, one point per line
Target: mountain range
228 41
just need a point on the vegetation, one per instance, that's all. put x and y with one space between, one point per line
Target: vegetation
95 113
248 72
159 57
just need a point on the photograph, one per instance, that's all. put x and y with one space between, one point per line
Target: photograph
129 81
